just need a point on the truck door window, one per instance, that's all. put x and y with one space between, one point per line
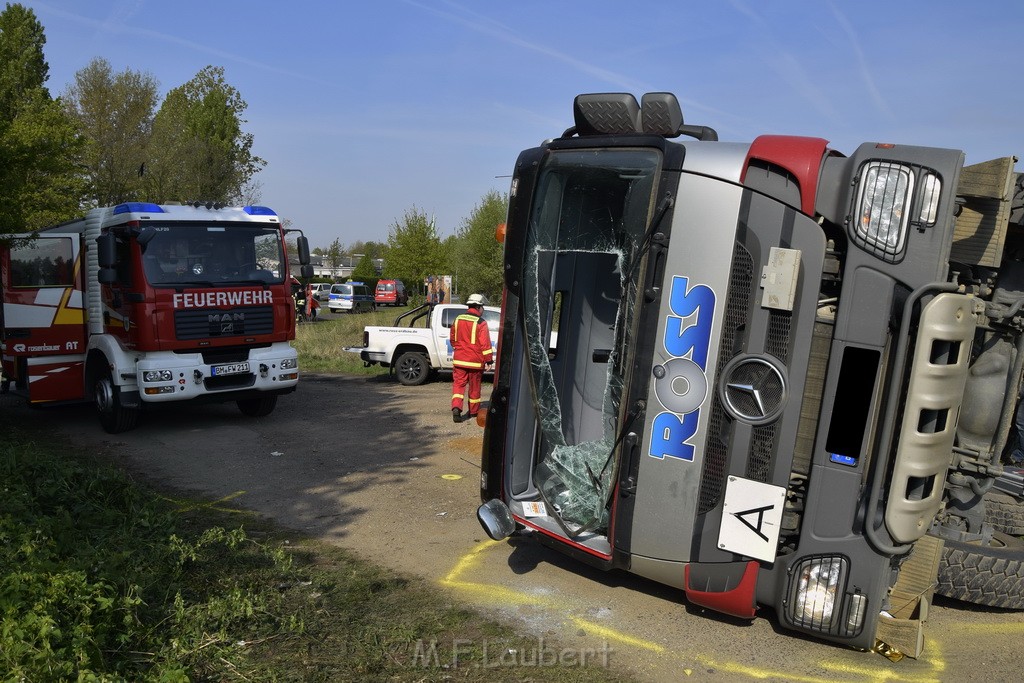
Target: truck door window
587 231
43 262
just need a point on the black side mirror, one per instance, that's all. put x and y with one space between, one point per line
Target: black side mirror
303 246
106 250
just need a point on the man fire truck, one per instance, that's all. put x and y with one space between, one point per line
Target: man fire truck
142 304
782 376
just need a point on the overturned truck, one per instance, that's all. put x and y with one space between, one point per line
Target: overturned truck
782 376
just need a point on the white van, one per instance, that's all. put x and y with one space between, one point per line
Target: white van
350 297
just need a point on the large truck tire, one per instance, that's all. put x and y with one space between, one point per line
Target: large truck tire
114 415
258 407
1005 513
412 368
985 575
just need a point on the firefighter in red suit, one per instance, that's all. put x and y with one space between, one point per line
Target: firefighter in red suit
471 354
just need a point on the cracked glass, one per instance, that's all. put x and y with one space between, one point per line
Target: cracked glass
591 224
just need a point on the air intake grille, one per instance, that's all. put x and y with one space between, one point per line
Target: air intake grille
213 322
740 284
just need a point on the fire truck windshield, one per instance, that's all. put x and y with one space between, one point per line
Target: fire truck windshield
204 255
589 228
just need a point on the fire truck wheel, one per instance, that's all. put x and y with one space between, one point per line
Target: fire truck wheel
412 369
1005 513
114 416
985 575
258 407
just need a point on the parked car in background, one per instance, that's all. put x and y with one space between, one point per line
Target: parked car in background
321 291
350 297
391 293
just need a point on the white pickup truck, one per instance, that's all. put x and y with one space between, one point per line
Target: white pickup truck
420 346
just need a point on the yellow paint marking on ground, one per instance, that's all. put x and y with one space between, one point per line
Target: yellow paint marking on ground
487 593
1013 630
612 634
186 505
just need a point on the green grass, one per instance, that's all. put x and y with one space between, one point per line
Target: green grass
102 578
320 343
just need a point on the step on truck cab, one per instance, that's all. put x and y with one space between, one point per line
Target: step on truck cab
783 377
140 304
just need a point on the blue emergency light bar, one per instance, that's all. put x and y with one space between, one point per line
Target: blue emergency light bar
138 207
259 211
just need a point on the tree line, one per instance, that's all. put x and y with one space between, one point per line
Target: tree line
414 250
109 138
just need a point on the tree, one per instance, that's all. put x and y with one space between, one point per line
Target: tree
39 146
198 150
413 250
477 256
115 114
335 255
371 249
365 270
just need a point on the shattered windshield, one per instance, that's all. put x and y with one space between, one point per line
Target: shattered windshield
197 255
590 227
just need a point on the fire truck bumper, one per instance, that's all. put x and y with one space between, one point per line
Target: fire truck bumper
169 376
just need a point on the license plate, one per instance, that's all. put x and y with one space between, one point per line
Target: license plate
229 369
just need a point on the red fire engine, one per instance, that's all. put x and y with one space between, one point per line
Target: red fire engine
143 303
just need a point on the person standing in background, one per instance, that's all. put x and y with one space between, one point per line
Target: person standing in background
471 354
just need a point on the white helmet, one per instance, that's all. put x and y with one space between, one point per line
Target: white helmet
476 300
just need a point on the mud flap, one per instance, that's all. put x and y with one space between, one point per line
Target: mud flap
900 631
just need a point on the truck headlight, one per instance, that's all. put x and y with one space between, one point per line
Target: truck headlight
157 376
883 208
815 593
289 363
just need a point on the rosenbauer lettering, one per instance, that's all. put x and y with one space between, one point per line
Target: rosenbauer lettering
211 299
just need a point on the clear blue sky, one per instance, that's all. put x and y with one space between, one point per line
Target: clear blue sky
366 109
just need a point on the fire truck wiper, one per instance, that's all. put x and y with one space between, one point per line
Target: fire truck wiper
645 244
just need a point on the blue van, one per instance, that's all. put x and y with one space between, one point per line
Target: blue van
350 297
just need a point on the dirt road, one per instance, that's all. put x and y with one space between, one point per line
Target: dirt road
382 470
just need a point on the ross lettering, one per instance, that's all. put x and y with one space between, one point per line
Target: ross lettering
681 383
249 297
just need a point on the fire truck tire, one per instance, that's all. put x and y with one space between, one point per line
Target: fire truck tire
991 575
412 368
114 416
258 407
1005 513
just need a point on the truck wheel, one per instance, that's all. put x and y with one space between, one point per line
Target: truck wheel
1004 513
114 416
985 575
258 407
412 368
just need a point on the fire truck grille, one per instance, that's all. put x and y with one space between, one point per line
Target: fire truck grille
778 341
740 285
205 323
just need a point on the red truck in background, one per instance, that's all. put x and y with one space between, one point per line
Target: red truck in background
139 304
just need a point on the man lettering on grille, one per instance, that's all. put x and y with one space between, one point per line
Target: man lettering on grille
471 354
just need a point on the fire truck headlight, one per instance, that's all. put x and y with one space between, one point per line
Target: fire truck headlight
815 592
931 188
289 363
883 207
157 376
